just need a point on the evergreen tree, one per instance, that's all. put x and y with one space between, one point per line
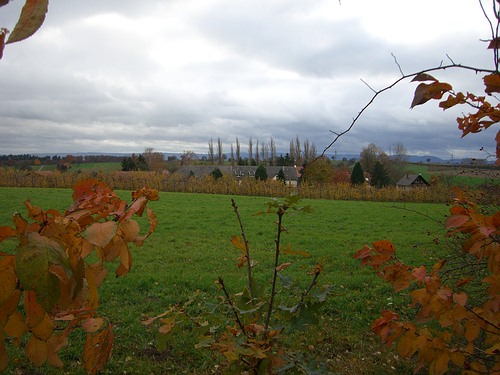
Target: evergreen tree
357 174
141 164
128 164
281 176
216 174
379 177
261 173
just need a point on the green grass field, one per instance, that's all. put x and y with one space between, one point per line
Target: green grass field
191 248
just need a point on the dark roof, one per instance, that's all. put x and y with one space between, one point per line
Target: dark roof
412 180
237 170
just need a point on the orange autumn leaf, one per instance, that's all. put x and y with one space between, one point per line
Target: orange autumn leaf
100 234
492 83
425 92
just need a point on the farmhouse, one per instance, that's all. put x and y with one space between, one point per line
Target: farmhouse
412 180
240 171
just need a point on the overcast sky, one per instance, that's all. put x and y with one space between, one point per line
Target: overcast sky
121 75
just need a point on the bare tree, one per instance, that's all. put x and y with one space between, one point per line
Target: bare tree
188 157
250 150
257 158
220 158
272 148
238 151
264 152
211 155
232 155
154 160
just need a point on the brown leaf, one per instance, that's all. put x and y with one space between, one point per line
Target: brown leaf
130 230
283 266
34 312
97 350
492 83
16 327
425 92
36 351
90 325
30 20
5 231
8 277
44 329
238 243
3 34
54 345
423 77
100 234
126 262
494 43
4 358
460 298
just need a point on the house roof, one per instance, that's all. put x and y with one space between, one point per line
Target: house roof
237 170
412 179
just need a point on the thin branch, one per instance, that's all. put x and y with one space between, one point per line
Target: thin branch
377 93
306 292
397 63
281 212
231 304
371 88
247 249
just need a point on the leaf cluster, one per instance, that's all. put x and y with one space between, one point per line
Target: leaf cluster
452 325
49 286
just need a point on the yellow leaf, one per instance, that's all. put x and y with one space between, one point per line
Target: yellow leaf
238 243
36 351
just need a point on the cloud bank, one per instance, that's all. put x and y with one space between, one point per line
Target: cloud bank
119 76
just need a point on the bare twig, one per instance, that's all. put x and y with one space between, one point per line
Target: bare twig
397 63
400 79
281 212
231 304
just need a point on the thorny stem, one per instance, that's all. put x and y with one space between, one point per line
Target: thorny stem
247 249
230 301
281 212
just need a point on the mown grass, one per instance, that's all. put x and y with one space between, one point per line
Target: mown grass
191 248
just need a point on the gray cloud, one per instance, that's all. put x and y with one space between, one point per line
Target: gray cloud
118 76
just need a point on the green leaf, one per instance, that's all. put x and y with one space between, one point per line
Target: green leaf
33 265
